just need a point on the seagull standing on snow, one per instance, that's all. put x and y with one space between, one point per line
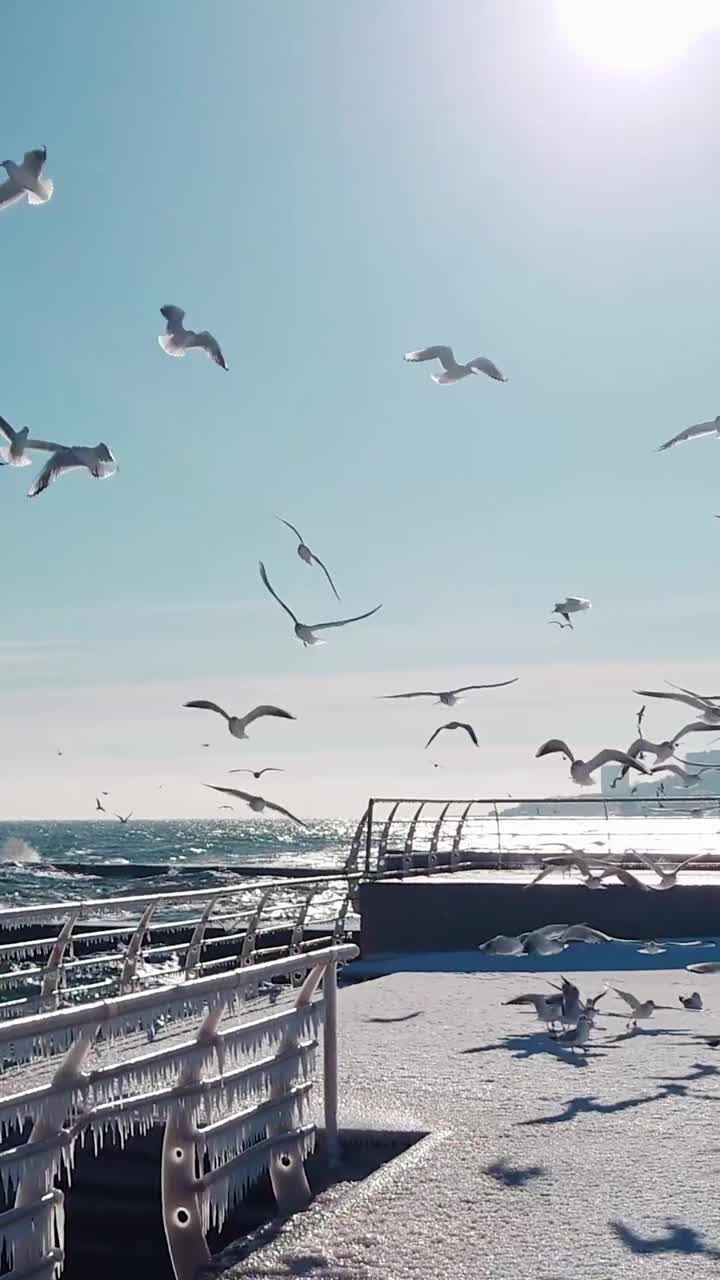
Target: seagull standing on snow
24 181
571 604
238 724
693 433
302 630
307 555
449 697
452 371
640 1008
98 460
693 1001
581 771
257 803
177 340
454 724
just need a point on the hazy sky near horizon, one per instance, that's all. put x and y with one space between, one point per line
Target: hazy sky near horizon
325 186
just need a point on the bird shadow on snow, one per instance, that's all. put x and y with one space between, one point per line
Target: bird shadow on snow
405 1017
514 1175
678 1238
529 1046
588 1104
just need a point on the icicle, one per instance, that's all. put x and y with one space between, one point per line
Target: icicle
37 1220
233 1134
226 1185
51 1154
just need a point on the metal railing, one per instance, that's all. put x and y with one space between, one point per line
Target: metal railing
229 1074
406 835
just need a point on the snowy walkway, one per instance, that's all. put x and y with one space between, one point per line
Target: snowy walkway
538 1166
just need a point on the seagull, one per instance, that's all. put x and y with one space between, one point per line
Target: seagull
627 878
304 632
571 604
24 181
700 429
571 860
547 1008
14 454
452 371
98 461
258 773
449 697
687 779
639 717
695 726
177 340
704 966
126 819
307 555
640 1008
668 879
562 625
99 806
693 1001
453 724
581 771
710 712
257 803
238 724
576 1037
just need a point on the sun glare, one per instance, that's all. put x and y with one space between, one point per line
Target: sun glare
636 35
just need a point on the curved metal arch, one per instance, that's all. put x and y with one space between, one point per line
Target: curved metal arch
251 931
195 946
133 951
351 862
53 973
454 859
385 836
435 838
410 836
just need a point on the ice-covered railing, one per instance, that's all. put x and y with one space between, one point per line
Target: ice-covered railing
231 1077
56 954
399 836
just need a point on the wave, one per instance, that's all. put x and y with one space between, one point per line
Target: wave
15 850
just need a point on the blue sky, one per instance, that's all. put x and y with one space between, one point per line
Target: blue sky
326 186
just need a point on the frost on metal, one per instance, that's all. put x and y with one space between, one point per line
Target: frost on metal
225 1186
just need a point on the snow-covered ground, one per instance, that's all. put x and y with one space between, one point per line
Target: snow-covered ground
538 1165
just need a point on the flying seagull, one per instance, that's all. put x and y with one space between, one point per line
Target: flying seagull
98 461
24 181
307 555
640 1008
18 442
693 433
304 632
126 819
562 625
581 771
571 604
100 807
257 803
452 371
238 724
668 879
705 705
177 340
453 724
449 697
687 779
258 773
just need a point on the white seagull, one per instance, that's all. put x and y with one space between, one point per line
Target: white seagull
452 371
705 705
668 879
576 1037
687 779
548 1008
18 442
304 632
177 340
238 724
449 697
693 1001
307 555
98 460
571 604
24 181
257 803
453 724
581 771
258 773
640 1008
693 433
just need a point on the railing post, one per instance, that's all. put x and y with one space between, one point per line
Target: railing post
330 1062
368 835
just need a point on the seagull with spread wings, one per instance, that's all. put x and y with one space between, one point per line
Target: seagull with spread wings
448 697
177 340
238 724
13 454
304 632
571 604
25 181
699 702
452 371
700 429
687 779
454 724
308 556
667 879
257 803
258 773
581 771
97 459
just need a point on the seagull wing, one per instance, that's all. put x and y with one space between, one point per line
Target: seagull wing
481 364
291 526
420 693
499 684
695 857
470 732
271 768
695 726
63 460
7 431
11 193
625 877
610 756
210 345
629 998
48 446
434 735
551 746
546 871
690 700
704 697
650 863
693 433
174 317
326 572
202 705
232 791
443 354
279 809
266 710
344 622
33 161
274 593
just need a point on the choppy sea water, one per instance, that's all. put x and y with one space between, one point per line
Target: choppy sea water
209 849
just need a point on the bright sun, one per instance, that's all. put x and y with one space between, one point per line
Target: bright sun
636 34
